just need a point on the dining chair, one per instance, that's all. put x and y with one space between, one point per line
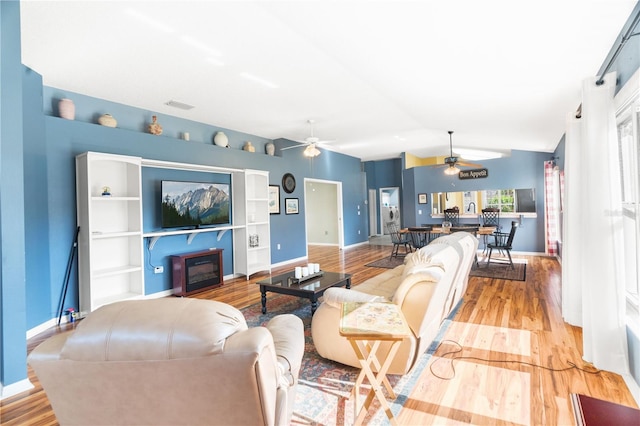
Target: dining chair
490 217
398 239
452 216
503 241
421 236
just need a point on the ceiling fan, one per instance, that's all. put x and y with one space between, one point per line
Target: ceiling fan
452 162
310 143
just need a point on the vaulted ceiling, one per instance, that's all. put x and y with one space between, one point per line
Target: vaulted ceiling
378 77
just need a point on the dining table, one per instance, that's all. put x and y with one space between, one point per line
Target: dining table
436 231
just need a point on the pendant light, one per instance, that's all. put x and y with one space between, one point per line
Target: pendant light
451 170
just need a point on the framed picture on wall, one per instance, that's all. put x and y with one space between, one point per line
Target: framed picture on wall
422 198
291 206
274 199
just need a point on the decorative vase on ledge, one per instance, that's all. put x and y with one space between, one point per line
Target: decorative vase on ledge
155 128
67 109
270 148
107 120
221 139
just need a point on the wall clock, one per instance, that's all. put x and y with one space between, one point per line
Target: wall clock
288 183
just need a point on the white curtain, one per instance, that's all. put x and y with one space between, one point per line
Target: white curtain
592 265
551 208
571 227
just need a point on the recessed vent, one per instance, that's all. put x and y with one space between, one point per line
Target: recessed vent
180 105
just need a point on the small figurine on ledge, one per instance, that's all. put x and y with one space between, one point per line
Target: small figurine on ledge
155 128
106 191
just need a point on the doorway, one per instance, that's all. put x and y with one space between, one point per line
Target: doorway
389 207
323 212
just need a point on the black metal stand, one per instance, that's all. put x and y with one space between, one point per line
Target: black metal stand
67 275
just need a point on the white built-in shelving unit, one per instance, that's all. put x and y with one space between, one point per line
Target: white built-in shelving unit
111 238
110 254
253 212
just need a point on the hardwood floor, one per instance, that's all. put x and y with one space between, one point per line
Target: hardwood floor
498 320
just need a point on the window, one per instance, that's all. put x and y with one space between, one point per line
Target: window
503 199
628 122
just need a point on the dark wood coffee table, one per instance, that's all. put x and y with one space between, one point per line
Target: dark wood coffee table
311 289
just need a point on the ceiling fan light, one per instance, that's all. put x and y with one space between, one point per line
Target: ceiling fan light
311 151
451 170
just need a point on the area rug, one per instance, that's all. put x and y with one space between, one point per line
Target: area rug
387 262
324 386
501 271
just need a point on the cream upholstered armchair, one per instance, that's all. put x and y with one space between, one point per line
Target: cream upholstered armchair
172 361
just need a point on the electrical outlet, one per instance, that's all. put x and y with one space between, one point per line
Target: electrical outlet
278 246
358 232
158 269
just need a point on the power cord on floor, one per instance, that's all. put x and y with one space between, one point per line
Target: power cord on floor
572 366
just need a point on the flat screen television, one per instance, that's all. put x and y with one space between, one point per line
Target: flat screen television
195 204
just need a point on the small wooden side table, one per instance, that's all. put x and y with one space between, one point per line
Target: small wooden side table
366 325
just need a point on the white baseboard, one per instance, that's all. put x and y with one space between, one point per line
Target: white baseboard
158 295
44 326
286 262
357 244
15 388
65 319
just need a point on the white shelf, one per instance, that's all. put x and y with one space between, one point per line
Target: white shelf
259 266
111 198
99 273
192 233
186 166
115 298
97 235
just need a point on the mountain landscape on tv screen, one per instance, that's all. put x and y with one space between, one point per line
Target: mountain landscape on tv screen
207 205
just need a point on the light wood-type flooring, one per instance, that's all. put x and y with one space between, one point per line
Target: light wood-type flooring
499 320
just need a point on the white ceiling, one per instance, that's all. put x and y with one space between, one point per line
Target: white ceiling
378 77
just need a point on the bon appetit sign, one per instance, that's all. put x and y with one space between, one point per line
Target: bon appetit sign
473 174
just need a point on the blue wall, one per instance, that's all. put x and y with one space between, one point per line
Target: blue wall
12 200
522 169
65 139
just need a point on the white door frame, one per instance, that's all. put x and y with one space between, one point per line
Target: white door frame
373 212
339 209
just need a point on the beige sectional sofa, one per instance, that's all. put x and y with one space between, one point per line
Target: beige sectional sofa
427 287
